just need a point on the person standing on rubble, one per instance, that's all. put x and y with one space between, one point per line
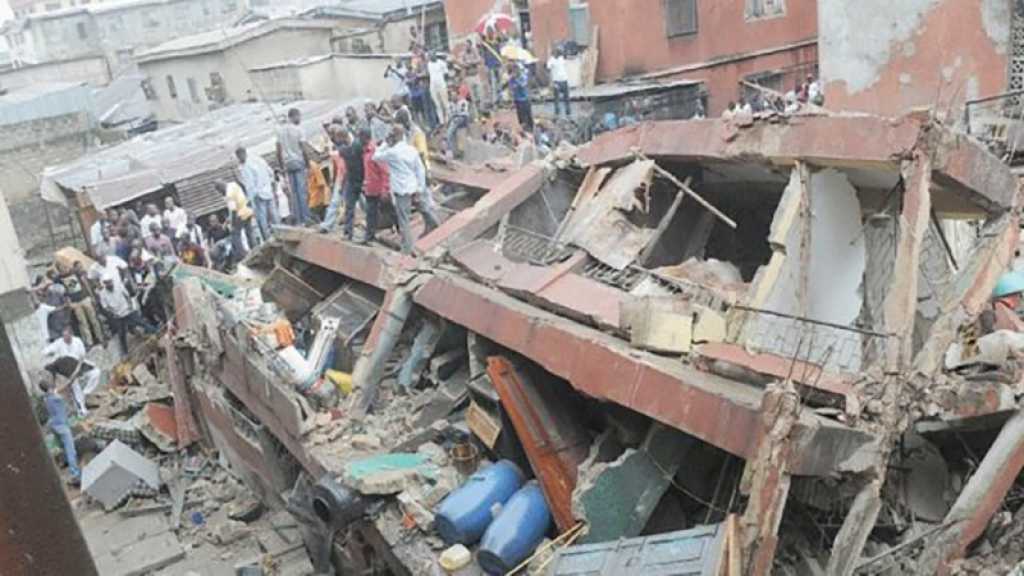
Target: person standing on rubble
437 69
68 346
122 314
293 156
351 151
336 134
408 180
470 64
81 302
375 185
241 217
490 50
57 419
258 180
519 84
559 81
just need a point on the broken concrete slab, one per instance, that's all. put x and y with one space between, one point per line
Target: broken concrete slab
142 557
669 325
157 422
110 477
387 473
600 225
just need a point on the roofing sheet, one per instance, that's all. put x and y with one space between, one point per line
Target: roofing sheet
182 154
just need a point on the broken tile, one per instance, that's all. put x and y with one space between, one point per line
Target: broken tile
159 425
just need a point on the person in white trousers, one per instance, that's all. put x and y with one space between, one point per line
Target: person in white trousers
438 70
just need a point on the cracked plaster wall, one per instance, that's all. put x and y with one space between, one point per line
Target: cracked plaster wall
886 57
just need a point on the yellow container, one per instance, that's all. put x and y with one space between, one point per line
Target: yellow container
342 380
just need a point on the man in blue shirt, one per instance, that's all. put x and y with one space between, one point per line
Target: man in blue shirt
57 410
519 83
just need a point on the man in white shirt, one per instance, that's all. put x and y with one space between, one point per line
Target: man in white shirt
814 95
408 179
176 217
559 81
152 217
97 229
437 69
257 178
121 311
70 346
108 264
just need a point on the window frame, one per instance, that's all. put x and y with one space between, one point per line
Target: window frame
668 24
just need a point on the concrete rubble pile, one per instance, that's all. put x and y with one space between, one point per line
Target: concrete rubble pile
725 347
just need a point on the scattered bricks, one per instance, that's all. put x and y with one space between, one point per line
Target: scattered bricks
143 376
158 424
436 453
116 472
365 442
231 531
416 510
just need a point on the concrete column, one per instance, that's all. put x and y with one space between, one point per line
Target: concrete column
980 499
381 342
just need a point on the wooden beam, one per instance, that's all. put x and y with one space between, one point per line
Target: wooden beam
700 199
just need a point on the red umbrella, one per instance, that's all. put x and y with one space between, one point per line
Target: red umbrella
500 22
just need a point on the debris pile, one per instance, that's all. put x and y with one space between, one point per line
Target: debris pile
771 344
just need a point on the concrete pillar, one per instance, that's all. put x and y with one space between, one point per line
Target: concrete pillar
381 342
765 479
980 499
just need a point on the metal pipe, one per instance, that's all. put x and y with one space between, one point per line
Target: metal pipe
38 532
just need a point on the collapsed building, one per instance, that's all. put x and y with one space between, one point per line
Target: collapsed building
729 335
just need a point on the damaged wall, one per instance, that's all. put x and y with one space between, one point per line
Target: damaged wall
816 271
752 45
887 57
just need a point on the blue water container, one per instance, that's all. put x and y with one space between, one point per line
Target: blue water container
462 517
516 532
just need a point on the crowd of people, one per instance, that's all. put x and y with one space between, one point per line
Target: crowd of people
806 92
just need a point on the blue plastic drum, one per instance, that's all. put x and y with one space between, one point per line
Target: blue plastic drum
516 532
462 517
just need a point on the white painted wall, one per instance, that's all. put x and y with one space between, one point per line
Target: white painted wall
828 290
233 66
13 272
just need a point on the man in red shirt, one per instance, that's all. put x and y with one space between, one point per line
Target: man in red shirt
375 184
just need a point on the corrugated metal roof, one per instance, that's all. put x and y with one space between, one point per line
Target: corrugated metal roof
188 156
222 39
44 100
378 8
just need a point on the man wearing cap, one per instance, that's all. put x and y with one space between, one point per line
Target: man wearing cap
120 310
1005 299
71 348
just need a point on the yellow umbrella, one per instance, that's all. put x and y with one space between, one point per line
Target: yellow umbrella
513 52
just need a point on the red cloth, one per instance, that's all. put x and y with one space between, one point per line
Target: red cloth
338 164
375 175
